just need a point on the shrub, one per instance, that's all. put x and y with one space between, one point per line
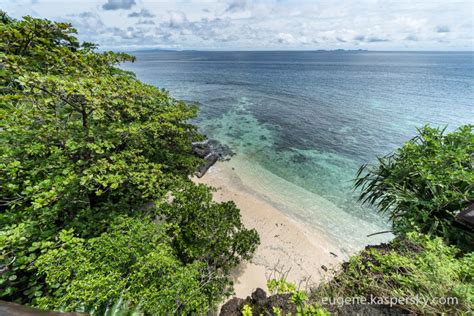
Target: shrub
415 266
298 297
132 261
424 184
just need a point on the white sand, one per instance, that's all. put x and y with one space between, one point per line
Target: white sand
286 245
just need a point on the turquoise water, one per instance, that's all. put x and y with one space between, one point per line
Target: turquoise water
303 122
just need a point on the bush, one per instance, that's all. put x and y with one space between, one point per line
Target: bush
415 266
298 297
424 184
133 261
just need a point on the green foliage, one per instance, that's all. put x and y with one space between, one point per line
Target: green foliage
247 310
298 297
83 143
425 183
413 267
280 286
133 260
208 232
276 311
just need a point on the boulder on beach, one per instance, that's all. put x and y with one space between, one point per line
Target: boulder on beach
211 151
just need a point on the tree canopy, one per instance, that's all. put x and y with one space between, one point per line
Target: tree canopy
89 157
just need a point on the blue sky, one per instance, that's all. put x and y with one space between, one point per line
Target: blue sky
262 24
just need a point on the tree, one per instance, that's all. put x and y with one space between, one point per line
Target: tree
81 143
424 184
133 261
208 232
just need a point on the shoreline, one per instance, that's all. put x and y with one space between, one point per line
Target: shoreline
287 246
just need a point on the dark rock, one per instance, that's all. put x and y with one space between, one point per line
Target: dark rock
260 304
324 268
210 146
211 151
281 301
263 305
210 160
201 149
233 307
259 296
223 151
202 152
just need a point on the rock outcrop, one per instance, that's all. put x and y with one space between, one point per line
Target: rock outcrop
262 304
211 151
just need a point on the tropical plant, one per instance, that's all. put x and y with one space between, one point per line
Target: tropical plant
418 273
133 261
425 183
247 311
298 297
83 143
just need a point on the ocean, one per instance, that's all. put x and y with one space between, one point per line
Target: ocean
301 123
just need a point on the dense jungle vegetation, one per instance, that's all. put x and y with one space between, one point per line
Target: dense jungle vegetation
96 202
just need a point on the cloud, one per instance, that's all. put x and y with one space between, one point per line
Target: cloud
145 22
376 39
118 4
285 38
177 19
236 5
442 29
144 13
369 39
411 38
262 24
87 22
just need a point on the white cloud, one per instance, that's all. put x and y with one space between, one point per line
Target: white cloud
144 13
286 38
236 5
177 19
263 24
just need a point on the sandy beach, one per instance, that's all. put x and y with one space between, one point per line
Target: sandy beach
287 245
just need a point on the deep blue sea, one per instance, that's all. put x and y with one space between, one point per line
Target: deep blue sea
305 121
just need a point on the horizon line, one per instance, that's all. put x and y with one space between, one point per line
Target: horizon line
281 50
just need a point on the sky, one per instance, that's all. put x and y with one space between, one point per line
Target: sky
262 24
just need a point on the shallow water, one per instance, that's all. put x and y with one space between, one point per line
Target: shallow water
303 122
